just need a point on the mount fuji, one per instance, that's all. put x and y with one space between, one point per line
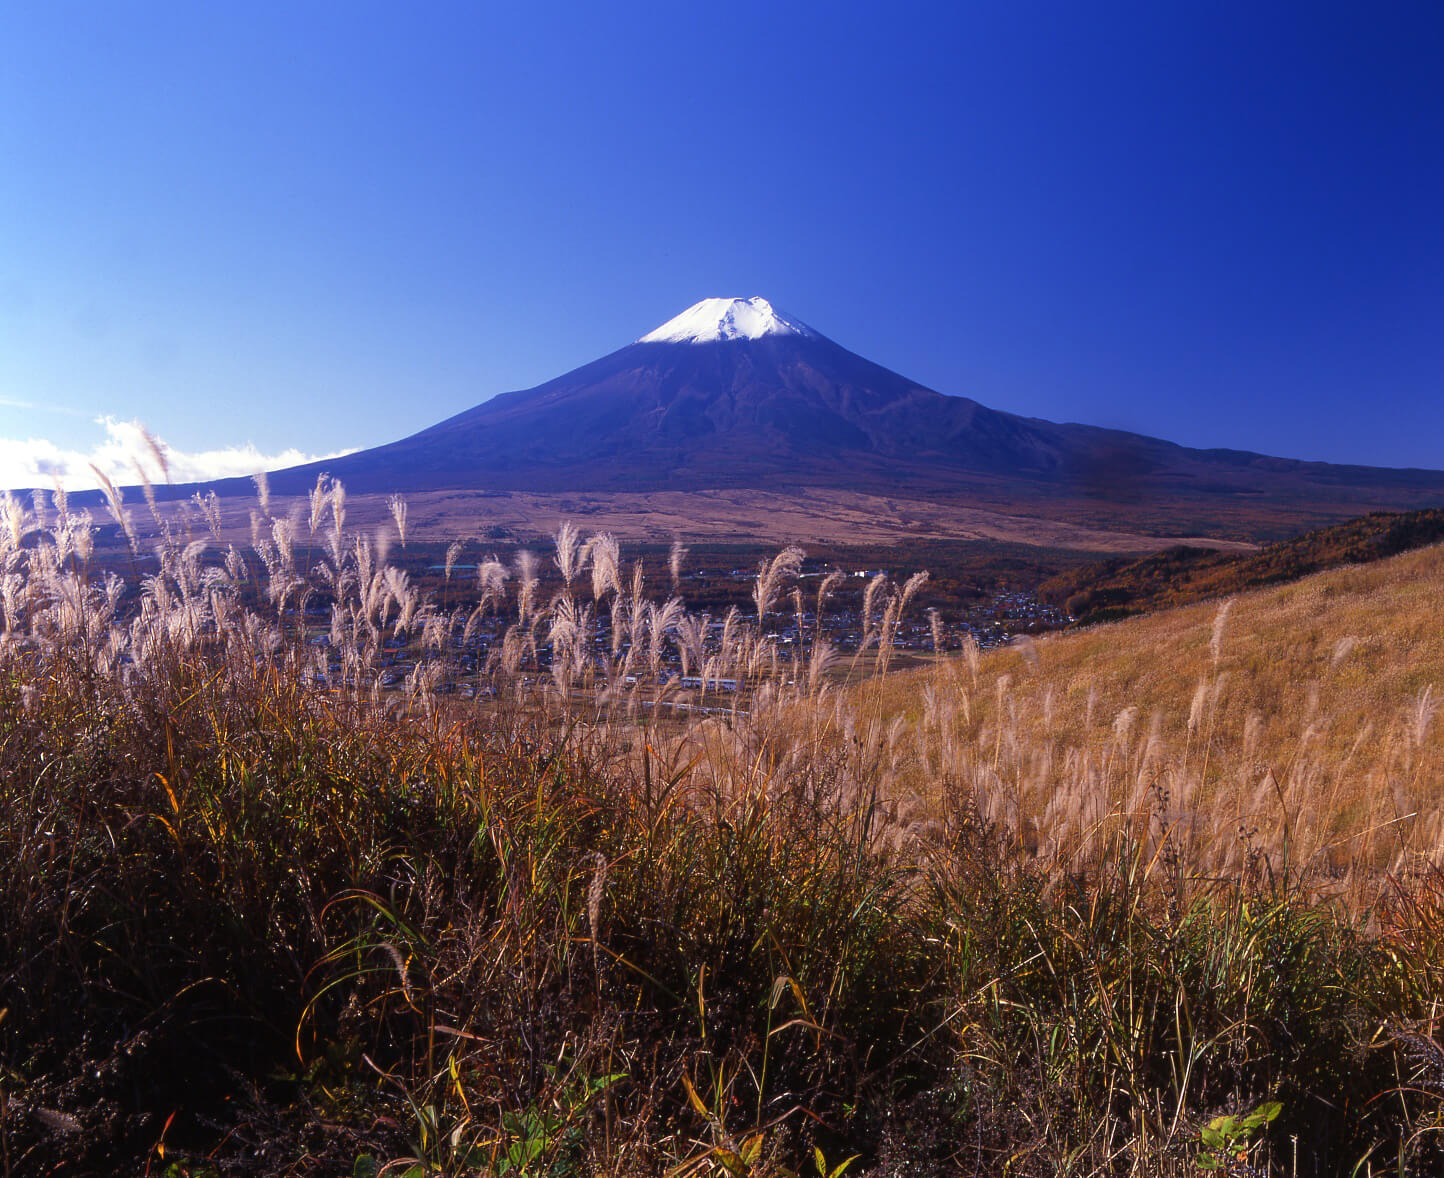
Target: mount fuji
739 418
735 393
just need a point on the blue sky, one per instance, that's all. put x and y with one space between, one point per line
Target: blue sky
311 227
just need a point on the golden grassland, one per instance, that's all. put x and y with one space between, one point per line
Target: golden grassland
1297 720
1151 899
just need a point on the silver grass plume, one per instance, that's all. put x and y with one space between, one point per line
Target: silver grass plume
399 513
910 588
468 630
973 654
563 631
421 686
114 589
435 629
1196 707
892 617
223 610
157 451
210 508
821 661
886 629
491 578
82 536
581 649
283 535
1423 713
618 622
1220 619
263 491
236 565
825 589
278 585
115 501
511 650
453 551
561 672
60 534
567 633
16 517
189 566
637 611
10 586
869 600
155 590
320 497
605 556
399 590
376 598
568 544
338 519
711 674
692 640
526 582
726 651
770 576
660 622
364 562
674 562
594 899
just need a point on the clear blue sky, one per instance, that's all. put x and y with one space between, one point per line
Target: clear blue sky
327 225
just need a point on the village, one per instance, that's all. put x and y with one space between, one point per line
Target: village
991 622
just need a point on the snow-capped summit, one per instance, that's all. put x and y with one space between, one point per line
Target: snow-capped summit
733 394
724 319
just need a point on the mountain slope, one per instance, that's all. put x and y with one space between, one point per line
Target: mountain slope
734 393
699 403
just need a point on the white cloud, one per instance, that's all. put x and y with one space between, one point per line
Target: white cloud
31 462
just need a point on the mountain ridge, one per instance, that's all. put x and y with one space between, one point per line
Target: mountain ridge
733 393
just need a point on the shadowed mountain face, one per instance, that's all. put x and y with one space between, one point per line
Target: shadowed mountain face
778 410
772 403
733 394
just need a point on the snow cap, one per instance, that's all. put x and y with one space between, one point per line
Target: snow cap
726 319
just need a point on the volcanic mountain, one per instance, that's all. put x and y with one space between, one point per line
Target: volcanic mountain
736 393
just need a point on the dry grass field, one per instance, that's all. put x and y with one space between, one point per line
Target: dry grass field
805 515
311 870
1294 723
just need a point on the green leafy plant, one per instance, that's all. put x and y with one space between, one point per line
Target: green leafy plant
819 1159
1228 1141
536 1131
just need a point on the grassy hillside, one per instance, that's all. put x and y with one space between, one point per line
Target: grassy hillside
1115 588
1295 725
